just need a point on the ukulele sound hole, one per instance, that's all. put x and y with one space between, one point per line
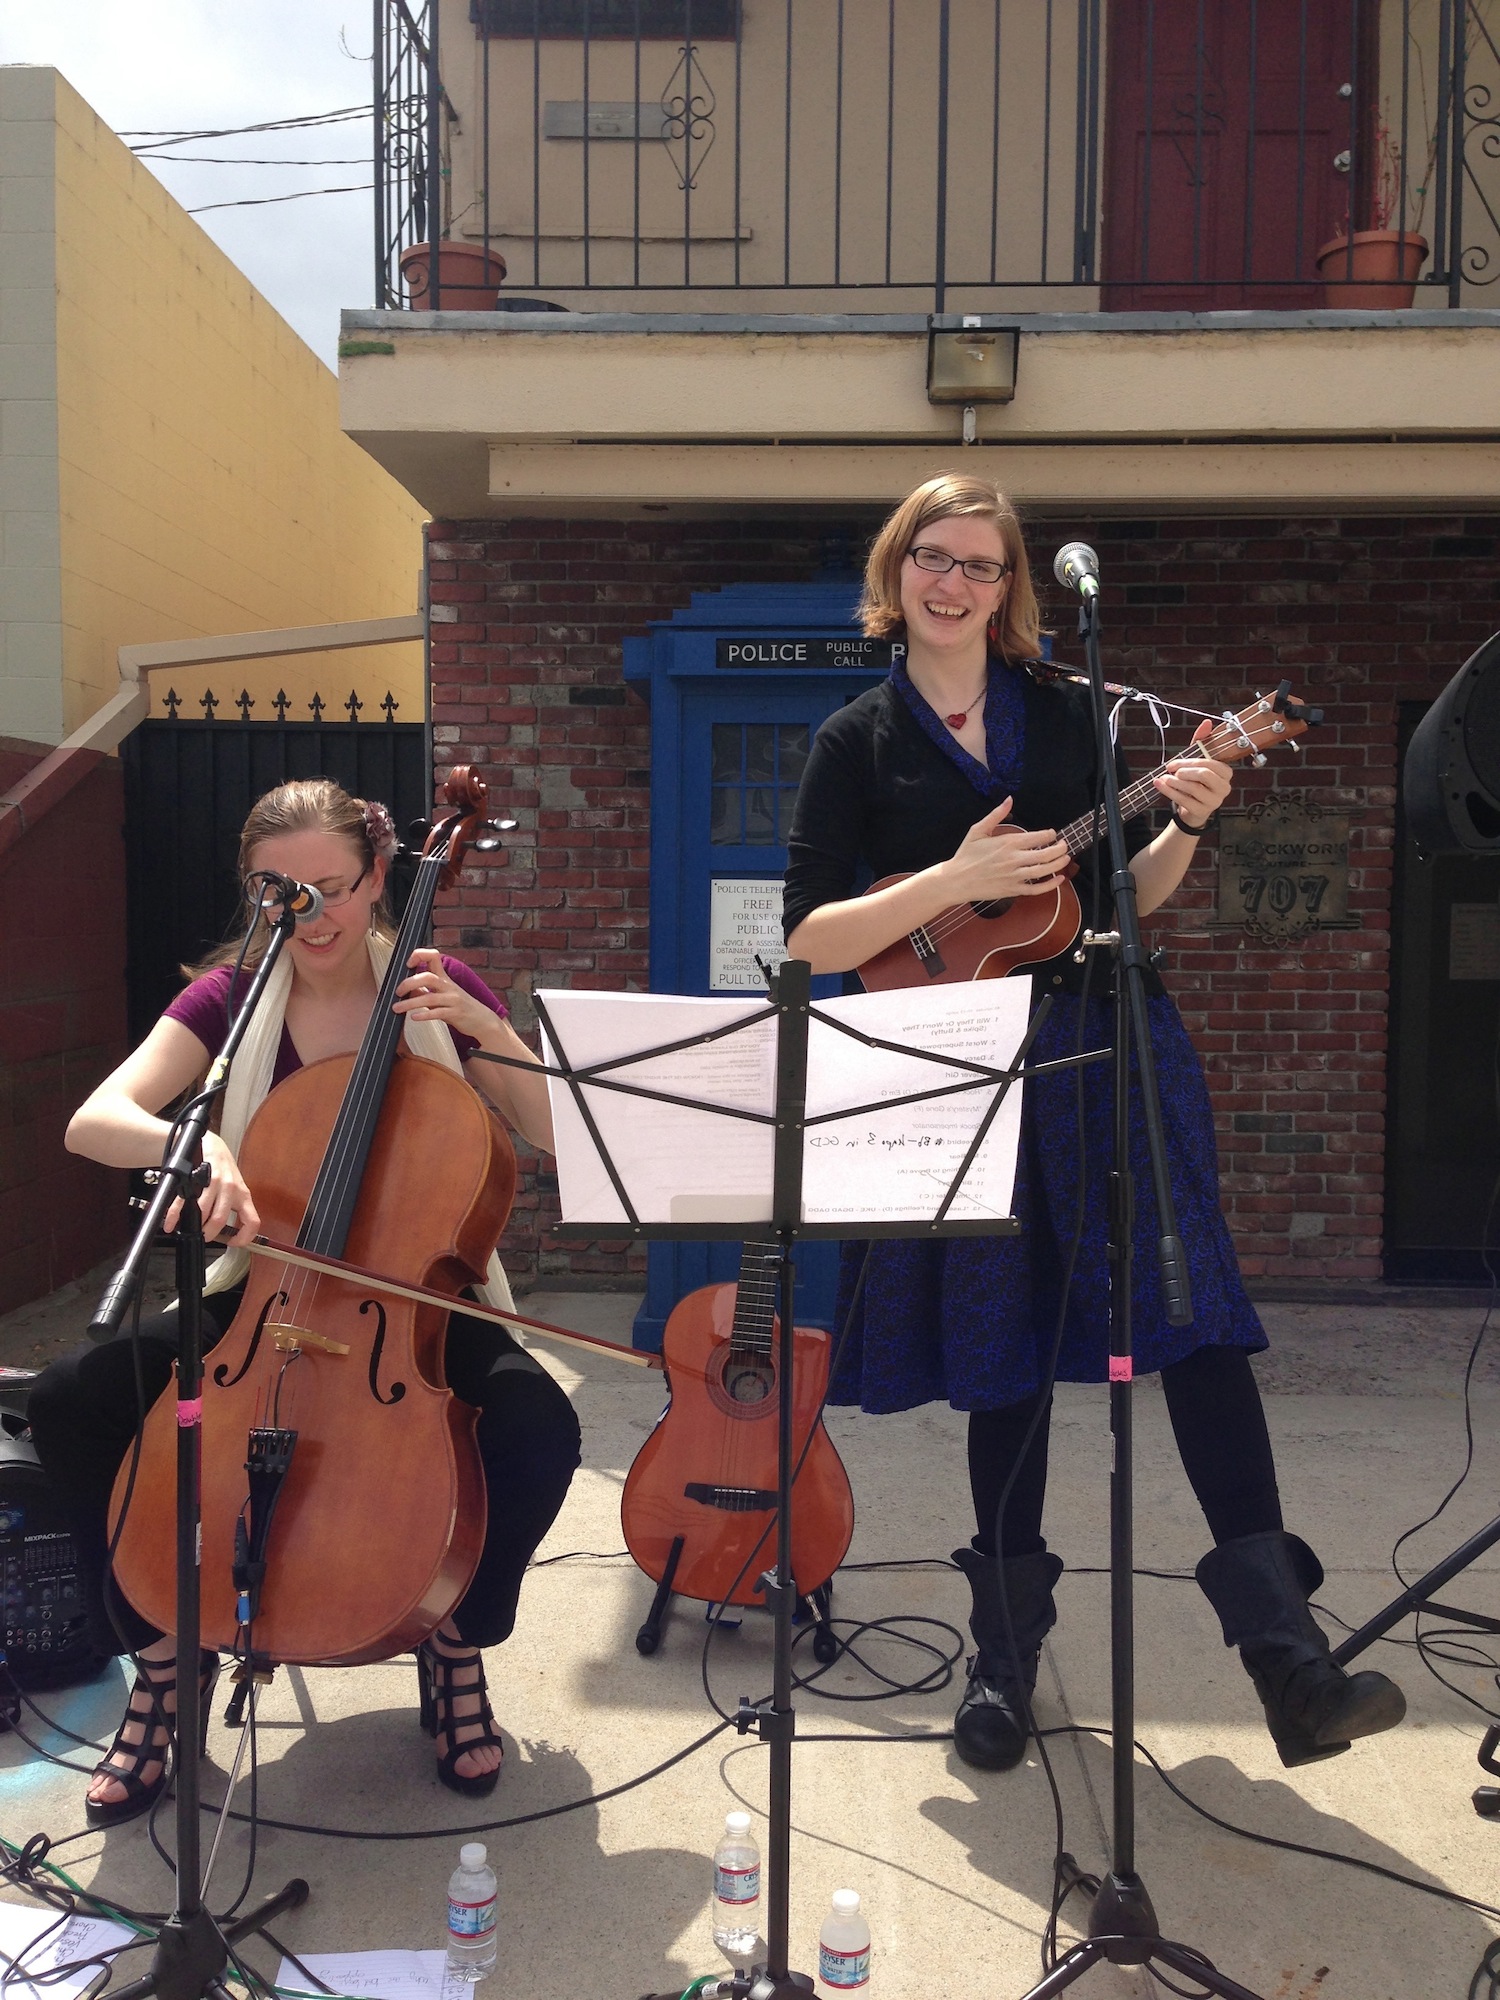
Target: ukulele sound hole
743 1383
996 908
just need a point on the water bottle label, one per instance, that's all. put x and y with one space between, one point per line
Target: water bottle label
845 1971
471 1921
736 1885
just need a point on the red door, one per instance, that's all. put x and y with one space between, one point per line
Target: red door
1231 148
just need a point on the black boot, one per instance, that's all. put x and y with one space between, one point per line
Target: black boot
989 1730
1259 1585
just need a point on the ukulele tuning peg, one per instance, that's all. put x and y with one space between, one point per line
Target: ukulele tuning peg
1259 759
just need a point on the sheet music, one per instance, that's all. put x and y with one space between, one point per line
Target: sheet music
75 1938
896 1166
678 1165
682 1165
377 1975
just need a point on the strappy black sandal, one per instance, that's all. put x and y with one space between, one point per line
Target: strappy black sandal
153 1684
440 1689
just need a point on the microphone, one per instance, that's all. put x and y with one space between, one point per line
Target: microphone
1076 567
280 893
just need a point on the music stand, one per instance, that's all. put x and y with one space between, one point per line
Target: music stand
791 1008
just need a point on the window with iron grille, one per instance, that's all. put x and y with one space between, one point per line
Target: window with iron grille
571 20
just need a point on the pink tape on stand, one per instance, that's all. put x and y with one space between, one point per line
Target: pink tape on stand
190 1414
1121 1368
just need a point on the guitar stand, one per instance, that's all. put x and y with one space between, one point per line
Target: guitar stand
816 1605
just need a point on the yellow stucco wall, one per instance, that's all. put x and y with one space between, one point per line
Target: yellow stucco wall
205 485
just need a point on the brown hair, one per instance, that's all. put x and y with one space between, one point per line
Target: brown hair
303 805
940 499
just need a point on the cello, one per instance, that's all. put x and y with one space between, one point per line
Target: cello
334 1457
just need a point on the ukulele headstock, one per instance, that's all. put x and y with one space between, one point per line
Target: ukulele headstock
466 825
1271 721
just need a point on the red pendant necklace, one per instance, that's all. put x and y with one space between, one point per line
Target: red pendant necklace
957 721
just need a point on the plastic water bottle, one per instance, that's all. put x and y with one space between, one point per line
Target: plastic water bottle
471 1914
737 1888
844 1948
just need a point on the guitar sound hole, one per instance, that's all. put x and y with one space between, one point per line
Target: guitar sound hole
748 1379
992 909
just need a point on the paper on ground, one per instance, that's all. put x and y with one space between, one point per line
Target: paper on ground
377 1975
684 1165
21 1924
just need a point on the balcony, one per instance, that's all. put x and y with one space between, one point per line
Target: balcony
721 233
936 155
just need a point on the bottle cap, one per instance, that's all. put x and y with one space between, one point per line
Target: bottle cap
471 1854
737 1822
846 1901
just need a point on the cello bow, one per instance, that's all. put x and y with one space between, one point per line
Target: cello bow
310 1260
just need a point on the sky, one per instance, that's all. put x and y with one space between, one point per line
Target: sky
177 65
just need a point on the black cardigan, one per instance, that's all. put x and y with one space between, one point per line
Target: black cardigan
879 794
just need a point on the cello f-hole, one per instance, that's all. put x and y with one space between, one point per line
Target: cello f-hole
398 1389
221 1374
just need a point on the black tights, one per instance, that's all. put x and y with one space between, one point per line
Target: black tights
1220 1427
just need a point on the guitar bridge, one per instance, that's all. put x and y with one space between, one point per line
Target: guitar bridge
928 956
731 1499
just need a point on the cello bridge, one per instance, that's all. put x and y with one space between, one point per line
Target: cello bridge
292 1340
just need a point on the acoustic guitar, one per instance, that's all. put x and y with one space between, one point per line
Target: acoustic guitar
700 1499
990 940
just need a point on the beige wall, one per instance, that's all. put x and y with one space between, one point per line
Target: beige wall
188 475
31 619
998 220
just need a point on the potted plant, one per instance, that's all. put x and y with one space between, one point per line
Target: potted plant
1376 269
469 275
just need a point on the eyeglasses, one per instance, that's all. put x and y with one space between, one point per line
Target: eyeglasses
333 899
980 570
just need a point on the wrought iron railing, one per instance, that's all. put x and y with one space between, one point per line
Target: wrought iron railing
940 154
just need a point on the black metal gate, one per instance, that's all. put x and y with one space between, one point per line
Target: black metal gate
188 788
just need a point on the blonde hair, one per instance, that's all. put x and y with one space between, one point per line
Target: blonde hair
951 493
303 805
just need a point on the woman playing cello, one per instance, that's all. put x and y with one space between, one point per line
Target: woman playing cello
84 1409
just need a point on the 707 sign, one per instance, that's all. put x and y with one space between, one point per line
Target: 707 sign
1284 870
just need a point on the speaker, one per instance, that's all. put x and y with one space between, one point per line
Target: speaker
1451 779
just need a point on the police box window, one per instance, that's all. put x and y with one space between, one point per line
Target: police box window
572 20
757 767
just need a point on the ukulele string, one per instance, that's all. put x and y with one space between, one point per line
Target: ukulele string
949 921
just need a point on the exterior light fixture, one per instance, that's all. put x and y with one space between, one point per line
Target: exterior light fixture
970 363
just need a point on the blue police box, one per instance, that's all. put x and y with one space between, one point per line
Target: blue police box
738 683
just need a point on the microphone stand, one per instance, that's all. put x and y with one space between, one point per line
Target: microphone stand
1123 1927
192 1952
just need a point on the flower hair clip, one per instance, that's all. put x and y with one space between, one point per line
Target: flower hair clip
380 830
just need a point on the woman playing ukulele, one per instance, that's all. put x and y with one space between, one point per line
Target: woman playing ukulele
924 775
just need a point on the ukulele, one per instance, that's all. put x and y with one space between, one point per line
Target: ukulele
990 940
703 1485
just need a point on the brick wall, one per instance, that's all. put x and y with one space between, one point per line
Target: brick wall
1360 614
62 1028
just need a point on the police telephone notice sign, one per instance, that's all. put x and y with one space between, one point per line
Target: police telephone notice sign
744 918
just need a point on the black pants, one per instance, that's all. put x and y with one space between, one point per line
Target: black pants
1214 1403
83 1412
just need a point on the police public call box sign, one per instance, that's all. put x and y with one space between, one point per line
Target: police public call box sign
741 655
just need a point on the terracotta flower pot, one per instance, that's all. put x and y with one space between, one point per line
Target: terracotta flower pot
1374 269
468 276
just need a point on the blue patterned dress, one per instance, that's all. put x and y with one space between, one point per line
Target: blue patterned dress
972 1320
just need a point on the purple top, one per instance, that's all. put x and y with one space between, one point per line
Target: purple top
202 1009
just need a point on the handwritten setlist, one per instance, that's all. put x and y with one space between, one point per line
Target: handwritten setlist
865 1157
896 1165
